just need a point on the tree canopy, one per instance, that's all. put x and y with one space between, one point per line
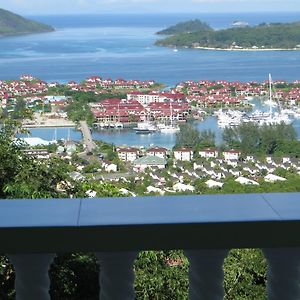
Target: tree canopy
189 136
267 139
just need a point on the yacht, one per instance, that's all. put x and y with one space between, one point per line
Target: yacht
169 128
145 127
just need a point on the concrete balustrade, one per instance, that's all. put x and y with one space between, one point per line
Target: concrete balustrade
117 228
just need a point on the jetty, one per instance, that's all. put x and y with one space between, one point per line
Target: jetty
87 136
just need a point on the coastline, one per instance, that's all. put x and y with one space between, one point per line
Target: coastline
245 49
229 49
49 123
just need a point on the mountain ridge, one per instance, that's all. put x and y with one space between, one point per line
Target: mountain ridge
14 24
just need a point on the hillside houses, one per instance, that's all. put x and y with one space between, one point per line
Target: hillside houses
184 154
157 151
128 154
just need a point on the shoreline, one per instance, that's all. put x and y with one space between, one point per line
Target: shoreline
49 123
228 49
49 126
245 49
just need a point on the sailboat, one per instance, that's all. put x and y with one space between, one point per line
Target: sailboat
172 128
277 117
270 102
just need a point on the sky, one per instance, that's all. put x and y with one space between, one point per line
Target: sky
46 7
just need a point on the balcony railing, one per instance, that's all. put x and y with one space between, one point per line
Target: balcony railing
116 229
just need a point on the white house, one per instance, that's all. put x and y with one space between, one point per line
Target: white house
128 154
183 154
244 180
152 189
157 151
109 167
127 192
208 153
140 164
272 178
212 184
180 187
231 154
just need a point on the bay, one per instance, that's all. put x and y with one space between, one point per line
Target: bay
123 46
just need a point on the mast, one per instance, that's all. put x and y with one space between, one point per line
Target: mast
69 135
270 93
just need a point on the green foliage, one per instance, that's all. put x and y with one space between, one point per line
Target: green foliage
157 278
283 36
23 177
20 110
79 110
207 138
268 139
11 23
7 278
74 276
189 136
245 275
189 26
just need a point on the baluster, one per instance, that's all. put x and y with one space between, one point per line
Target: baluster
116 277
283 273
206 274
32 279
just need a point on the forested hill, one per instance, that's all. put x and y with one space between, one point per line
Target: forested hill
185 27
260 37
13 24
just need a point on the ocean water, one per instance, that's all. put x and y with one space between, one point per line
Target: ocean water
123 46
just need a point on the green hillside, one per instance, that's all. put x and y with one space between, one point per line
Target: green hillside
263 36
13 24
185 27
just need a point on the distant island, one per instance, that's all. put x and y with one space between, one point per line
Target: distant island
186 27
13 24
273 36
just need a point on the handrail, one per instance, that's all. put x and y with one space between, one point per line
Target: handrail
152 223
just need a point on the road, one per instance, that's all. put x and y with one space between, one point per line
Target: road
87 136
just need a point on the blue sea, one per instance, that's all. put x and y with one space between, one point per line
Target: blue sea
122 46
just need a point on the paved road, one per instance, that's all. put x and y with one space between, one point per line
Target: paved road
87 136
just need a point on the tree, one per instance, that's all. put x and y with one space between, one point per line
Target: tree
188 136
207 138
267 139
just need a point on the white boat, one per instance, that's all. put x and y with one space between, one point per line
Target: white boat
145 127
119 125
169 129
271 118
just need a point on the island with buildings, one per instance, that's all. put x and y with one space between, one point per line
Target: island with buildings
265 36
